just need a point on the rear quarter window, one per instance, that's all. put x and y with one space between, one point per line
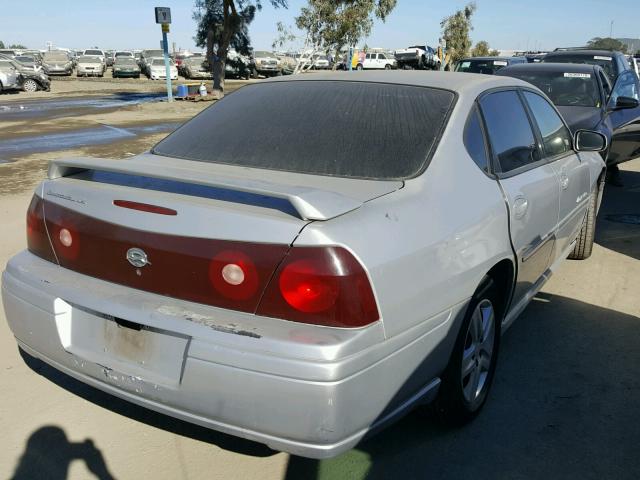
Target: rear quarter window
333 128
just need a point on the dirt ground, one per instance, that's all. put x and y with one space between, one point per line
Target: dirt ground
565 403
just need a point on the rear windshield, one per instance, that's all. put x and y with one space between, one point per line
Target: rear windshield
607 62
333 128
94 52
565 89
488 67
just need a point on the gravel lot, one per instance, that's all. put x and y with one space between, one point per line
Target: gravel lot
565 403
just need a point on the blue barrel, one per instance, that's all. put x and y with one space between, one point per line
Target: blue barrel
183 91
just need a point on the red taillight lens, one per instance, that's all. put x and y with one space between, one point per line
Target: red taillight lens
322 286
37 238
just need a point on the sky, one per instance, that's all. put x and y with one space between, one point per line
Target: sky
505 24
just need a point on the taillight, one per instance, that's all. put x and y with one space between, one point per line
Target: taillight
37 238
322 286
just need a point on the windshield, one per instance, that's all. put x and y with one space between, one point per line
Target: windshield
97 53
194 61
87 59
25 59
487 67
605 61
160 61
124 54
565 89
262 54
337 128
153 53
56 56
125 61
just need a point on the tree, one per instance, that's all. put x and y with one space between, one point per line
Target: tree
223 24
18 46
607 43
494 53
481 49
332 24
455 31
1 44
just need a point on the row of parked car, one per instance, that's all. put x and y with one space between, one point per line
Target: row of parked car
595 90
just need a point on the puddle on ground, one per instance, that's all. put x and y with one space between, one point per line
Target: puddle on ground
12 149
42 108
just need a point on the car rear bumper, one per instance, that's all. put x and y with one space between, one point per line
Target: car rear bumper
310 391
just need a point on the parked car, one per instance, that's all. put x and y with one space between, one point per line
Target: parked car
178 59
57 62
487 65
306 292
378 61
266 63
10 77
90 66
93 52
320 62
8 52
109 58
157 69
195 68
28 62
586 100
418 57
613 63
146 57
32 79
125 67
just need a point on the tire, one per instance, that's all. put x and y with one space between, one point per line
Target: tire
584 242
30 85
359 66
387 67
459 401
0 87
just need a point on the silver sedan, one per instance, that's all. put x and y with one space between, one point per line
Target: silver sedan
304 276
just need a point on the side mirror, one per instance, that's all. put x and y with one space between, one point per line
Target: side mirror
626 102
590 141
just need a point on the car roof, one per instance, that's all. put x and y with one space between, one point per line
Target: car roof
550 67
604 53
461 83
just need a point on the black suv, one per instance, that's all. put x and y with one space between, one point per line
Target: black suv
613 63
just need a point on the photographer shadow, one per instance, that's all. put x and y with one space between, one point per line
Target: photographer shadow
49 454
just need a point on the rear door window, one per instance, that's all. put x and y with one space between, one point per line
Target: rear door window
474 141
509 130
556 137
334 128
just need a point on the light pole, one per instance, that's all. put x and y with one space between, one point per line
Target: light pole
163 17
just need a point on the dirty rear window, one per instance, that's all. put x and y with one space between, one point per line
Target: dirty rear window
333 128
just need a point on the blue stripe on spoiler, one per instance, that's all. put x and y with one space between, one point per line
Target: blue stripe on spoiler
183 188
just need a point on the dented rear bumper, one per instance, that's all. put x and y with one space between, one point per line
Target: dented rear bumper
308 390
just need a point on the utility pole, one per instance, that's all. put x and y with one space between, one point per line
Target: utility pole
163 17
611 30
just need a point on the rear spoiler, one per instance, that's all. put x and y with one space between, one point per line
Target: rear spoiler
310 203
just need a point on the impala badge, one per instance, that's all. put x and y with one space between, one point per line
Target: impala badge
137 257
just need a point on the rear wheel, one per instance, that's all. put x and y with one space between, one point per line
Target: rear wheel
387 67
359 66
30 85
586 237
468 377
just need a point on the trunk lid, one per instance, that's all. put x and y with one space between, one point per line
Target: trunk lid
172 226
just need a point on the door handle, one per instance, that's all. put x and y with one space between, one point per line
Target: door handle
520 207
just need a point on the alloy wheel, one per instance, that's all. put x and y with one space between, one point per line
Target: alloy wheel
478 353
30 86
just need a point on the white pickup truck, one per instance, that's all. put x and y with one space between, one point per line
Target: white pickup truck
418 57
